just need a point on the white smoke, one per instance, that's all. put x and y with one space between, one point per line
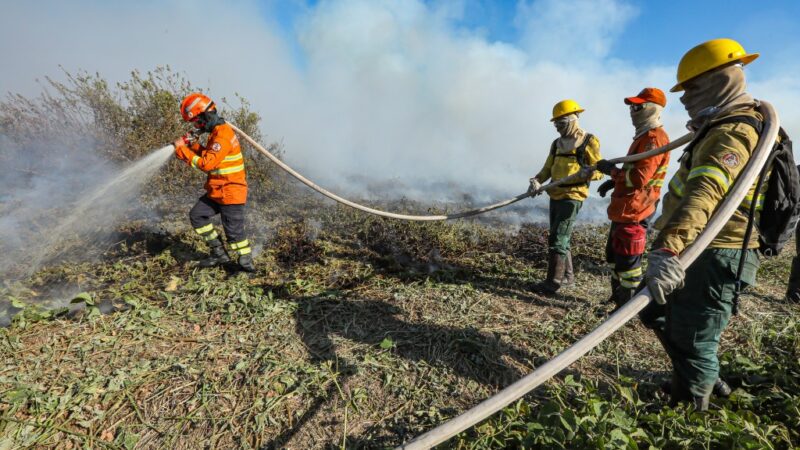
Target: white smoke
367 93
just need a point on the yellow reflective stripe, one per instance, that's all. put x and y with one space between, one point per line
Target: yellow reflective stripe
636 272
240 244
228 170
244 251
712 172
204 228
676 186
747 202
236 157
211 236
662 169
195 159
630 284
656 182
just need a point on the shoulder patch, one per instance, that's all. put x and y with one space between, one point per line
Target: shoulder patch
730 159
216 147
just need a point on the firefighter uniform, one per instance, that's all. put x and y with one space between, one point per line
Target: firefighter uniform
226 192
695 316
637 189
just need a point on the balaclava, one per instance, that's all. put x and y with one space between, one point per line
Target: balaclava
570 131
647 118
722 89
208 120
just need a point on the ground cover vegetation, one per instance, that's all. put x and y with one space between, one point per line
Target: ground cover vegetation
355 331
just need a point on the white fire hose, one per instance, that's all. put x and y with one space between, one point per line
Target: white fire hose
546 371
473 212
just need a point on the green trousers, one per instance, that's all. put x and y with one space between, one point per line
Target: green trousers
692 322
562 220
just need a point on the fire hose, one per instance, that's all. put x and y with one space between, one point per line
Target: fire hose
549 369
473 212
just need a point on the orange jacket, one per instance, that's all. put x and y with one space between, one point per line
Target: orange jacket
637 186
222 160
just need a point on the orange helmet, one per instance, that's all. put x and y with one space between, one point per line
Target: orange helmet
195 104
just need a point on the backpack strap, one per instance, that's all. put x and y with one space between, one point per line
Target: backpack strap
580 157
703 131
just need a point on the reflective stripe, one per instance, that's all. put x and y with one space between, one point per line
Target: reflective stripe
635 272
240 244
747 202
658 182
236 157
630 279
204 229
712 172
191 105
228 170
211 236
662 169
244 251
676 186
630 284
195 159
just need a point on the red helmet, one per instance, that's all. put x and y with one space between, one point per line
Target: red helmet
195 104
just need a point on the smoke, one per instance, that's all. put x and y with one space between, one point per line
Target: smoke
377 98
69 200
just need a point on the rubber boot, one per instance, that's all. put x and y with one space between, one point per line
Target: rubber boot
701 403
246 263
678 391
569 273
217 254
555 273
793 290
720 389
615 285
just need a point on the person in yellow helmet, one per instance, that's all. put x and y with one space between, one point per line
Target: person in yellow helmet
573 152
692 308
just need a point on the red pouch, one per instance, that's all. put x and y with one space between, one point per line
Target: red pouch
629 239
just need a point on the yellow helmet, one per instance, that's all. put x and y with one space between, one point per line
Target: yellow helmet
565 107
710 55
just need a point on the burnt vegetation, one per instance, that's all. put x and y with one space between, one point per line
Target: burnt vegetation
355 331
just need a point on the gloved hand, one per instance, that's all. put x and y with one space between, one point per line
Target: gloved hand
605 187
664 274
605 166
534 187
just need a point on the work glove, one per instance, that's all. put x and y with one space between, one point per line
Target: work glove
605 187
605 166
664 274
534 187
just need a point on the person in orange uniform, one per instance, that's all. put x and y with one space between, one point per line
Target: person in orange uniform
636 192
226 186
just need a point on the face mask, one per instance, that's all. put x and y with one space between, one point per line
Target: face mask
713 90
567 125
645 117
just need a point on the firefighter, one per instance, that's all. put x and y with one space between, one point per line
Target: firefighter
572 153
692 308
636 192
226 186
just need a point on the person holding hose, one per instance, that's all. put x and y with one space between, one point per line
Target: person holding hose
636 192
692 308
226 186
574 152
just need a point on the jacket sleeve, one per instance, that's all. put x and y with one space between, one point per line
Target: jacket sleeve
206 158
715 165
641 172
544 174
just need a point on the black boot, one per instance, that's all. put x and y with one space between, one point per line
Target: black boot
793 290
217 254
701 403
246 263
721 388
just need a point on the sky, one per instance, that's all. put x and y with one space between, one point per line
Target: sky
424 99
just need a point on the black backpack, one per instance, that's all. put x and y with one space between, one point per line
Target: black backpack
580 157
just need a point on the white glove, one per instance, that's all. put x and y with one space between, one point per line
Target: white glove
534 187
664 275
